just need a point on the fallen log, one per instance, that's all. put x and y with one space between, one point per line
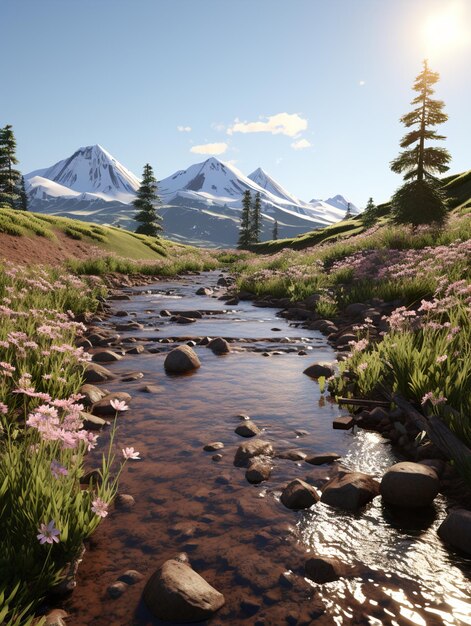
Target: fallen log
362 402
437 431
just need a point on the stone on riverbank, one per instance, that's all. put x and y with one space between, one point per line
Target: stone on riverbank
181 359
456 530
103 406
176 593
219 346
323 569
409 485
350 491
247 429
204 291
106 356
322 459
95 373
316 370
92 422
250 449
344 422
91 394
213 446
299 495
258 471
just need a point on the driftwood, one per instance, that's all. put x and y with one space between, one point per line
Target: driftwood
437 431
361 402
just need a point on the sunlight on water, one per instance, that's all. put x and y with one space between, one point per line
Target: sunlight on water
404 553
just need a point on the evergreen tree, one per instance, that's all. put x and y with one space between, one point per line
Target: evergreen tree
145 203
22 203
369 216
275 230
8 174
348 213
245 222
256 219
420 200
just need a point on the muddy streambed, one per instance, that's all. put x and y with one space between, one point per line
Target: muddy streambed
239 536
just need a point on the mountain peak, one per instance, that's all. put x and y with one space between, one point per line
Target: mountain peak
93 169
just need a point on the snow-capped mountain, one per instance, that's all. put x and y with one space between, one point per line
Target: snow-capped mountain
340 203
90 170
201 204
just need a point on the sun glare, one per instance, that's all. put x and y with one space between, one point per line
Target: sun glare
447 30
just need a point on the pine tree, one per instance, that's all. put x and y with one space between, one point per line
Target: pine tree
421 200
256 219
22 203
369 217
348 213
275 230
145 203
245 222
8 174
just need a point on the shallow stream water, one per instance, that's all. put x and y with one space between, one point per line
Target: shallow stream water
239 536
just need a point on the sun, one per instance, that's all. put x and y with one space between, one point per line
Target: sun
447 30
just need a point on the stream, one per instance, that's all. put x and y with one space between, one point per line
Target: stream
238 536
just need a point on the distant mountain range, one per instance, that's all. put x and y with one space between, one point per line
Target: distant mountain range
200 205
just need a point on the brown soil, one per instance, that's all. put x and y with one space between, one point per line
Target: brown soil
43 250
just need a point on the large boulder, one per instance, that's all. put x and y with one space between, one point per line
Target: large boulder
316 370
250 449
181 359
456 530
409 485
219 346
176 593
350 491
299 495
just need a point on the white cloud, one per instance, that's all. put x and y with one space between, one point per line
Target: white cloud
218 126
361 83
210 148
280 124
301 144
184 129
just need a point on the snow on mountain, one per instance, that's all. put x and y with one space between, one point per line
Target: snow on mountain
201 204
91 170
262 179
339 202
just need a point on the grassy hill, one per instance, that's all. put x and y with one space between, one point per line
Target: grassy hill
458 190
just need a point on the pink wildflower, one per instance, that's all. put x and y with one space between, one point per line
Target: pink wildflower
100 507
130 453
119 405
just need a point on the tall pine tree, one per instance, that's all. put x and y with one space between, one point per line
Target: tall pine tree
245 222
9 176
275 230
256 219
421 200
369 216
22 203
147 216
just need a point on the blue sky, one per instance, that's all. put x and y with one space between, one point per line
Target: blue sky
311 90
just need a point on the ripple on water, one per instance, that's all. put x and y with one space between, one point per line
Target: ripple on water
410 567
